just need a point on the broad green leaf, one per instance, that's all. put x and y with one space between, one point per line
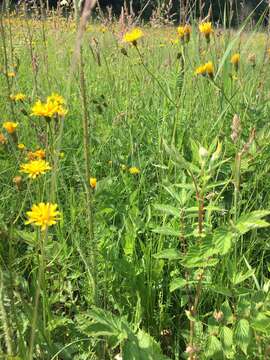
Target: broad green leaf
213 348
226 337
261 323
242 335
221 290
166 231
167 209
168 254
240 277
177 284
251 221
227 312
223 239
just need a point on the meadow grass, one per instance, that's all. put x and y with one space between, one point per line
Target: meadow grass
166 256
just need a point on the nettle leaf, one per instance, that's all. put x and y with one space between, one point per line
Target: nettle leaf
164 230
261 323
177 284
201 255
251 221
226 337
167 209
227 312
223 240
242 335
213 348
168 254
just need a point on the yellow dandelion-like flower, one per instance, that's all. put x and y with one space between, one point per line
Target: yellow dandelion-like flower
43 215
11 74
21 146
134 170
38 154
184 32
54 97
206 69
235 59
133 36
18 97
35 168
10 126
206 29
3 139
93 182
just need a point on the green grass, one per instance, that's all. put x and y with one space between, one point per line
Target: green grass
180 252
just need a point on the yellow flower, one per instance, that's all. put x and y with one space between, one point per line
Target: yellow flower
206 29
38 154
123 167
35 168
134 170
21 146
184 32
10 126
133 36
54 97
235 59
206 69
93 182
11 74
18 97
3 139
43 215
51 108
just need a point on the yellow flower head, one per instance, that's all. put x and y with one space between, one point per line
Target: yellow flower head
133 36
53 107
184 32
206 29
35 168
43 215
10 126
11 74
38 154
93 182
3 139
21 146
134 170
206 69
54 97
235 59
18 97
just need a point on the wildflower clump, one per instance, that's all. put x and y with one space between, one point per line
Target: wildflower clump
184 33
53 107
133 36
43 215
35 168
206 69
206 29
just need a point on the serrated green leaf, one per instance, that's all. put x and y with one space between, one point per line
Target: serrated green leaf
223 239
251 221
177 284
242 335
226 337
167 209
227 312
166 231
261 323
168 254
213 348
